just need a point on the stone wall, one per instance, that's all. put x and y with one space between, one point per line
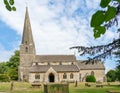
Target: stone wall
44 77
99 74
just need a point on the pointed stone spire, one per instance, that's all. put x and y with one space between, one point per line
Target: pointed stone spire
27 31
27 38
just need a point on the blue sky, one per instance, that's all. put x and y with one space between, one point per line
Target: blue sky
57 25
8 35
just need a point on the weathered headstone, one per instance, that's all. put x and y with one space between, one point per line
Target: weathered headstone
76 83
56 88
12 85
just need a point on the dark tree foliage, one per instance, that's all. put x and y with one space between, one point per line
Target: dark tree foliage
98 52
117 55
111 76
3 68
118 72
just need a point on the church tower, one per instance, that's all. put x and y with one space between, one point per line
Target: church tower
27 49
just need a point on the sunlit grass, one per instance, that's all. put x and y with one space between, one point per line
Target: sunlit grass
24 87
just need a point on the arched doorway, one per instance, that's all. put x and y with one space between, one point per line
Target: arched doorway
51 77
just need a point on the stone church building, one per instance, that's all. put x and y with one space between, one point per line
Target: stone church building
52 68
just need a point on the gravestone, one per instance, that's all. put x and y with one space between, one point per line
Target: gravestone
56 88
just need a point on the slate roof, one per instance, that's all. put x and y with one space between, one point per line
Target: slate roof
91 66
57 68
55 58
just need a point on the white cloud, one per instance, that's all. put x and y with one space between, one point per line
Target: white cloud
57 25
92 4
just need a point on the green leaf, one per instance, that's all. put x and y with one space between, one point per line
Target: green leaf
6 2
8 7
96 35
99 30
110 13
14 8
97 19
11 2
104 3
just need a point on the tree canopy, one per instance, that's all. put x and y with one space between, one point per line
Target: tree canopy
10 68
111 75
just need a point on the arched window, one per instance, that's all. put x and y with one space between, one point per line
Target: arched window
26 49
26 42
37 76
71 76
64 76
92 73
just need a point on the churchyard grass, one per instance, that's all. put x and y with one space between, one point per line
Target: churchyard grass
22 87
93 89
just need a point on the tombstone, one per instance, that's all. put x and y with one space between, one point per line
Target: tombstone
76 83
12 85
56 88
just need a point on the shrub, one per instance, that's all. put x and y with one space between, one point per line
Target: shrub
4 78
90 78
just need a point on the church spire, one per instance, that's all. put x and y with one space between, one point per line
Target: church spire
27 38
27 31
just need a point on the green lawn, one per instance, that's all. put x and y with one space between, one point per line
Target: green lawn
21 87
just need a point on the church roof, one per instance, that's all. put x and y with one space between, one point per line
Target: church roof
55 58
57 68
91 66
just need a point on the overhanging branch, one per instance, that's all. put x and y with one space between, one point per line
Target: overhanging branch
99 52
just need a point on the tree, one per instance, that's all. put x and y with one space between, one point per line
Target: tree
9 4
4 78
111 76
3 67
10 68
14 60
101 21
13 64
118 73
13 74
